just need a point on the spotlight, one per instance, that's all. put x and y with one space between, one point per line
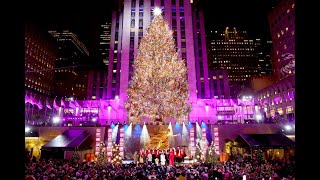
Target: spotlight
288 127
27 129
56 119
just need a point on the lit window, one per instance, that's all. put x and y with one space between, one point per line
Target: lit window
278 35
282 32
287 28
288 10
214 77
220 76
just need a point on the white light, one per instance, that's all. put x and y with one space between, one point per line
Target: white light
288 127
117 97
26 129
258 117
56 119
94 119
219 117
109 108
157 11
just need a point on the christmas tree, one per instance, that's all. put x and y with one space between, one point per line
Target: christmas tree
259 156
116 158
159 87
75 155
102 159
198 154
212 157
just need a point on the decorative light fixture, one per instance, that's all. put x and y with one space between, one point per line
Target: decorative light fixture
157 11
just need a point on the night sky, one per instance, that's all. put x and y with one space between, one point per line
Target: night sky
250 15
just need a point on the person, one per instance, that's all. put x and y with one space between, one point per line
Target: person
162 159
135 157
149 158
182 176
171 157
141 159
156 161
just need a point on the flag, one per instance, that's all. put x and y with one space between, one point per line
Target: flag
62 103
39 104
55 106
48 105
26 99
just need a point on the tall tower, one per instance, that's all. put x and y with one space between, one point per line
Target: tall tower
70 78
242 56
40 58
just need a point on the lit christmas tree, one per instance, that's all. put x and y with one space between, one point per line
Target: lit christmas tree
102 159
159 87
75 155
199 153
211 155
116 158
259 156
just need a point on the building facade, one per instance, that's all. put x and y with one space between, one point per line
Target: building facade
130 19
40 56
243 57
41 52
219 84
282 28
277 101
70 74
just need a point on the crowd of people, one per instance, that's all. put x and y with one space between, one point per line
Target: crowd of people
240 169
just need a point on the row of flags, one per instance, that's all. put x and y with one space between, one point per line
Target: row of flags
72 104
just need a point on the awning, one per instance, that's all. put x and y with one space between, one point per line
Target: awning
70 140
265 141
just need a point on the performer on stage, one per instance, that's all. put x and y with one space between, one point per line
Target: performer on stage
149 158
162 159
171 157
153 153
167 155
135 157
178 155
183 154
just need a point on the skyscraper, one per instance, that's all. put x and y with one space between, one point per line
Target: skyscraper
104 43
243 57
71 75
282 28
40 57
130 20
